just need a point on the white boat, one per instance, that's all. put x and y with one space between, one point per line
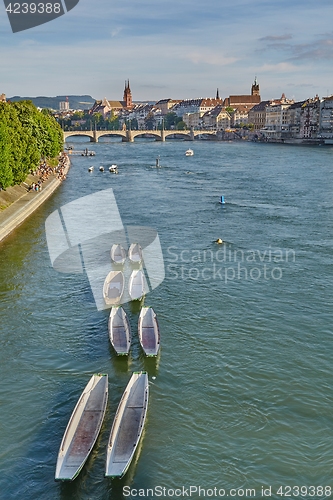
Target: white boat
82 429
135 253
189 152
101 168
119 331
91 169
118 254
149 332
127 425
113 288
113 169
136 286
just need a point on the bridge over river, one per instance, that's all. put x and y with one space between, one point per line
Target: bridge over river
130 135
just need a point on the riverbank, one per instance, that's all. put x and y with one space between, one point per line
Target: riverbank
19 202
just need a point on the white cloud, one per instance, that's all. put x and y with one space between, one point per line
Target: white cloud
208 56
282 67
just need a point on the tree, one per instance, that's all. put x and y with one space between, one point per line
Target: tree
150 121
181 125
97 119
26 135
170 120
6 174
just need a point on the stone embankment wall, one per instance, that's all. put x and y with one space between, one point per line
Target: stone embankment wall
18 211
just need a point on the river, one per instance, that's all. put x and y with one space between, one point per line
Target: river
241 394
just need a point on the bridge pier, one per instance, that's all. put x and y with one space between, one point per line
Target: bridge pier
129 136
191 134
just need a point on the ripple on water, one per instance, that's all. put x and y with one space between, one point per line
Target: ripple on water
242 394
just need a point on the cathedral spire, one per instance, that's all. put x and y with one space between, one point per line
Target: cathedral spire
217 94
255 87
127 95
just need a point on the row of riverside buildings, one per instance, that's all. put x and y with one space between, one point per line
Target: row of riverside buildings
275 120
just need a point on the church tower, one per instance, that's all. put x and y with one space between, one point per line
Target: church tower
127 95
255 87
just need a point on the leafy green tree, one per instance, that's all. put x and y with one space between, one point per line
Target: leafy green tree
6 174
9 117
170 120
26 135
97 119
181 125
150 121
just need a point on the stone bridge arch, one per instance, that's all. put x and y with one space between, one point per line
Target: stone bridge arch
82 133
130 135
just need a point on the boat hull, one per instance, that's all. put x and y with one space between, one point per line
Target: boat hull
119 331
83 428
135 253
118 254
127 426
113 288
136 287
149 332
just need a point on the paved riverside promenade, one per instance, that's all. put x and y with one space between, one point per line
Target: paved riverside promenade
13 216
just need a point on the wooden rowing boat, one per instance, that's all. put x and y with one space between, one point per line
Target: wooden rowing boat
82 429
118 254
135 253
149 332
136 286
127 425
119 331
113 288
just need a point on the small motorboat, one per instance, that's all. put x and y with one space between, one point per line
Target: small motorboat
113 288
119 331
127 426
136 286
91 169
113 169
189 152
101 168
83 428
135 253
118 254
149 332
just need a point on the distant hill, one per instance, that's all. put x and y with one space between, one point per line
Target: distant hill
75 101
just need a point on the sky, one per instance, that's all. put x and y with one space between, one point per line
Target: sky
179 49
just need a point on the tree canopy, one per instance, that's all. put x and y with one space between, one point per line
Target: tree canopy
26 136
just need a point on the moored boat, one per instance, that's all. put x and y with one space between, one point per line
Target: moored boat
127 425
91 169
113 288
149 332
189 152
119 331
113 169
136 286
118 254
101 168
83 428
135 253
